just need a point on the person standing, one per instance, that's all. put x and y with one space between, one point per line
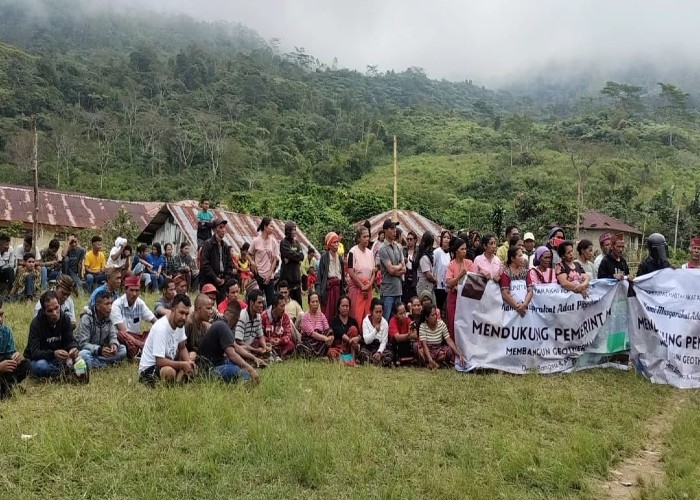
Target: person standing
411 277
614 265
584 248
502 252
361 270
694 262
217 264
204 219
605 241
426 264
658 255
264 251
487 264
331 276
529 249
456 270
441 259
292 256
13 366
392 267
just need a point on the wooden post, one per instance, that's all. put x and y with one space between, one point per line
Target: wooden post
675 236
35 164
396 179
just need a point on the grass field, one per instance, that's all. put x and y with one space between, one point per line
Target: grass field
317 430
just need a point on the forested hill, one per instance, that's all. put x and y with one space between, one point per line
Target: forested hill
139 106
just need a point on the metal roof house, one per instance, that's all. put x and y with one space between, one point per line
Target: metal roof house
596 223
408 221
177 222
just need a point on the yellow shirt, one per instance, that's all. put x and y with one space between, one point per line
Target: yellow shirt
341 249
502 252
95 263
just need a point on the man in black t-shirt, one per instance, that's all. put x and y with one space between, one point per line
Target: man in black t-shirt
614 264
218 351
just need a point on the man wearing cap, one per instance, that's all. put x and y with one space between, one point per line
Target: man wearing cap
64 289
614 265
393 268
694 262
112 283
529 249
128 315
217 265
605 241
210 291
502 252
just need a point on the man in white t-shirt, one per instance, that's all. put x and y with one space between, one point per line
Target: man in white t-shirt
129 313
165 355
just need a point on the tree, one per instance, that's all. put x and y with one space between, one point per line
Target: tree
626 98
675 107
65 138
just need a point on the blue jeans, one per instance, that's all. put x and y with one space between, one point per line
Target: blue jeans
43 368
29 286
48 275
229 372
92 280
78 282
101 361
388 302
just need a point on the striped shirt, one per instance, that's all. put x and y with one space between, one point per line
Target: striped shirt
248 329
433 337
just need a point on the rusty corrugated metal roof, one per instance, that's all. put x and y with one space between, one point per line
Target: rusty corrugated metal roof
601 221
66 209
408 221
241 228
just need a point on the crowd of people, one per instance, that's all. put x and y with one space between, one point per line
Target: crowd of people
388 301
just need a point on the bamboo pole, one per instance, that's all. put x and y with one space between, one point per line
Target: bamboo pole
35 164
396 179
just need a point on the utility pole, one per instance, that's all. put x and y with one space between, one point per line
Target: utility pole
396 179
675 237
35 164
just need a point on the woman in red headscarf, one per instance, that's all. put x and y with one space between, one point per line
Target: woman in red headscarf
331 277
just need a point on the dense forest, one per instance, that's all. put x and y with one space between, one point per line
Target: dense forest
145 107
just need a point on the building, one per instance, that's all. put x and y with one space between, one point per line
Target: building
408 221
177 222
596 223
61 212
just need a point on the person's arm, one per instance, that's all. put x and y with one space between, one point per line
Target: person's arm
34 350
237 359
206 272
563 280
244 353
369 333
82 337
455 349
427 269
383 336
452 279
287 328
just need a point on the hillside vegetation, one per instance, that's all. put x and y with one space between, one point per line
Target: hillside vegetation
161 108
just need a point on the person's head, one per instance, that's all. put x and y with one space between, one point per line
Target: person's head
210 291
543 257
142 249
376 310
411 239
618 245
555 234
265 226
203 306
29 261
512 231
169 291
185 248
344 306
362 237
180 310
428 315
283 289
219 227
232 313
515 256
332 242
529 242
233 290
27 242
180 283
103 304
381 236
605 241
156 249
566 251
4 242
459 249
426 298
695 249
585 250
96 243
113 278
311 271
168 248
515 241
426 242
51 306
476 239
314 302
445 240
389 228
65 286
277 306
290 231
416 306
126 251
400 310
132 288
490 244
256 301
72 240
204 204
54 245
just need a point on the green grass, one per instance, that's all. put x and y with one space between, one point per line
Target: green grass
317 430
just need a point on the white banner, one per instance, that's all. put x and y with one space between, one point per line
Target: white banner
664 325
561 331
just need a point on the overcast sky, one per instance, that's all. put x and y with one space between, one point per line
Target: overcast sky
485 40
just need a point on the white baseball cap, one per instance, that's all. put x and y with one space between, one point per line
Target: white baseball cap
529 236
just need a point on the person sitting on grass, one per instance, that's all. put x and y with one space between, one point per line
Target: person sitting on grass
219 355
157 262
95 263
129 313
186 265
165 355
346 331
164 302
210 291
404 340
425 300
292 307
65 286
111 285
277 329
28 279
13 366
375 337
198 322
142 268
316 334
119 254
50 345
438 348
180 281
233 291
97 336
249 331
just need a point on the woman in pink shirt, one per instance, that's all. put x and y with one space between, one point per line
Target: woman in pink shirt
264 251
457 269
361 271
542 273
487 263
316 333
